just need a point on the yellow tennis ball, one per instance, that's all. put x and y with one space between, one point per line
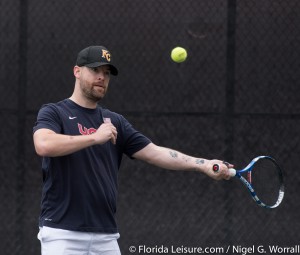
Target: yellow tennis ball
178 54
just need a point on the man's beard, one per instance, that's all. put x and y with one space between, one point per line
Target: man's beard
90 93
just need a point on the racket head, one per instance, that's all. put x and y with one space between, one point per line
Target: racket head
264 180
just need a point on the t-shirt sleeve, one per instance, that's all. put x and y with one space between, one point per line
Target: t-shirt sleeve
48 117
134 140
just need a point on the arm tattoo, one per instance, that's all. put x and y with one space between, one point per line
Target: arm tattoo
199 161
173 154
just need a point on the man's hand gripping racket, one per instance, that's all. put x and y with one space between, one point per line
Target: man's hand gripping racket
264 180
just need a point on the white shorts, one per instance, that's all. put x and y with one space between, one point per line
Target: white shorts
64 242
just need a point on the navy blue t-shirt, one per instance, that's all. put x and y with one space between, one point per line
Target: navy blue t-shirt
80 189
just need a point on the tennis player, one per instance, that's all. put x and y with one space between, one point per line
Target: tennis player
81 145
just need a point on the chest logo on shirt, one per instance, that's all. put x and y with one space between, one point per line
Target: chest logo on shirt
85 131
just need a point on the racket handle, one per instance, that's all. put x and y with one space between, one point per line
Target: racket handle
232 172
216 168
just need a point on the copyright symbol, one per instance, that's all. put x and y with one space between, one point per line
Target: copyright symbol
132 249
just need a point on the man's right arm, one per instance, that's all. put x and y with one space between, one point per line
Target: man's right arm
47 143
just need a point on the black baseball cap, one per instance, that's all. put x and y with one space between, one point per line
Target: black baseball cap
94 56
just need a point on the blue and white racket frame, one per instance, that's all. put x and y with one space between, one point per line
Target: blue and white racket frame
247 183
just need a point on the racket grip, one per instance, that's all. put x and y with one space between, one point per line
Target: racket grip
216 168
232 172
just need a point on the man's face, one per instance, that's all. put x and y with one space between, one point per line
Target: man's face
94 82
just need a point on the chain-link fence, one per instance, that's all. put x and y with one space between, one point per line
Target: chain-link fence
236 97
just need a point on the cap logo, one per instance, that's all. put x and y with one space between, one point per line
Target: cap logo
106 55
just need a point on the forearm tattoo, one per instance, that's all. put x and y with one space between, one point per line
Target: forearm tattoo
173 154
176 155
199 161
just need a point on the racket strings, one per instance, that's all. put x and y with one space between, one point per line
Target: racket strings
266 181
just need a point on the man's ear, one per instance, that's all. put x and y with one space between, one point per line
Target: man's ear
76 71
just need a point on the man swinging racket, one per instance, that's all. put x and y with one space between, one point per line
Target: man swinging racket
82 145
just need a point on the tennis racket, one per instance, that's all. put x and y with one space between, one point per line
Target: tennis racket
264 180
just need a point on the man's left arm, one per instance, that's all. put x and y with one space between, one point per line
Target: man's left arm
175 160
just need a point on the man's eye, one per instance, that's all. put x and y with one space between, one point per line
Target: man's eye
97 70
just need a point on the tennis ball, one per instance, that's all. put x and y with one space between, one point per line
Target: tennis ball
178 54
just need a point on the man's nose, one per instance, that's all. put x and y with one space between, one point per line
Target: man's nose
100 75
